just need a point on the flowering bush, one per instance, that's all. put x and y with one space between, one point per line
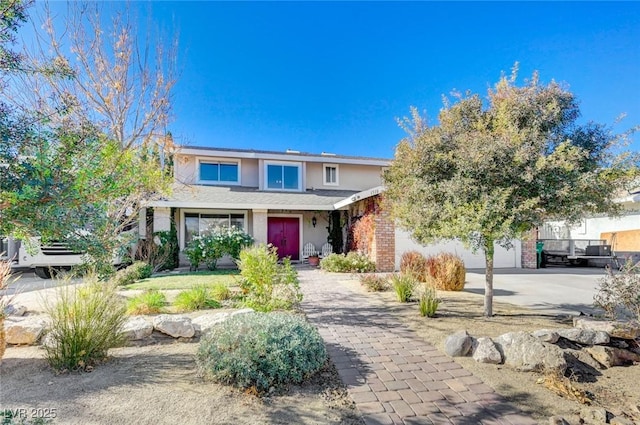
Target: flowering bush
353 262
214 244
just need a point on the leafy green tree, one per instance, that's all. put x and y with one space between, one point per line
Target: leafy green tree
490 172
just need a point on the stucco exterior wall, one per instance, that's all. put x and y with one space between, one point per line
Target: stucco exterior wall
350 177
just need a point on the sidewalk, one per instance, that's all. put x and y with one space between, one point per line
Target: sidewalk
393 376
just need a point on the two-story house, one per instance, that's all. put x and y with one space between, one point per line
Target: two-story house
280 198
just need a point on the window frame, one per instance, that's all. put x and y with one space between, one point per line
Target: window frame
324 174
218 161
201 212
298 165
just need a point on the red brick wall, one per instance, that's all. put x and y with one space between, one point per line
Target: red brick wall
384 242
529 254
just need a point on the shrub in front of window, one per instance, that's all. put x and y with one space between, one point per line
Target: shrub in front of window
261 350
268 285
215 244
352 262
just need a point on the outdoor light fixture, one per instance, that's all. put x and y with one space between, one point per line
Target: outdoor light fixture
314 221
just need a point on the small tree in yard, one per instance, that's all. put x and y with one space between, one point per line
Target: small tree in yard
488 173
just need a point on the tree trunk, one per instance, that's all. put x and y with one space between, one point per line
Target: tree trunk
488 284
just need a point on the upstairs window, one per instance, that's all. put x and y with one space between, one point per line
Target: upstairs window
283 177
330 174
219 172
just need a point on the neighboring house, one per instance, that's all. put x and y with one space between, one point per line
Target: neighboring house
288 199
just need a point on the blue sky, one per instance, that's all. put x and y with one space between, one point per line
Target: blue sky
334 76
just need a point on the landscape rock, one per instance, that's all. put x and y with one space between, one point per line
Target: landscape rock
612 356
523 351
584 336
594 415
618 329
458 344
558 420
15 310
619 420
546 335
136 328
174 325
485 351
24 330
203 323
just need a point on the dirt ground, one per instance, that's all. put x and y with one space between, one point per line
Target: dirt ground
617 389
158 383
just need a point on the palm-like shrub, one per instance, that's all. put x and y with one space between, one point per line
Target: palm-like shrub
261 350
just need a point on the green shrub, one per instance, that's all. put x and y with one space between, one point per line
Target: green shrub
196 298
150 301
619 292
220 291
86 322
446 272
266 284
374 283
403 285
414 264
261 350
428 301
136 271
214 244
352 262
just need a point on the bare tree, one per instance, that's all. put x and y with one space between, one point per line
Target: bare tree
121 81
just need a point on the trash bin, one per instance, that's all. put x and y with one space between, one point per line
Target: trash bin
539 247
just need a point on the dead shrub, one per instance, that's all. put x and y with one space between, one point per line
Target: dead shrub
563 386
415 264
446 272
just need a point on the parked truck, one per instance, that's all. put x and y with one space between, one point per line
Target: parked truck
45 259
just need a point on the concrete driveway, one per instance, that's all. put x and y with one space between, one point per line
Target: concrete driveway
553 290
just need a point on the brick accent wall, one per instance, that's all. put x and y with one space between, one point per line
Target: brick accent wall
383 251
529 254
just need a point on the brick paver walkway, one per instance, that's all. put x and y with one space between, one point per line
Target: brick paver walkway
393 375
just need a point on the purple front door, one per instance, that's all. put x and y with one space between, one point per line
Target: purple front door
284 234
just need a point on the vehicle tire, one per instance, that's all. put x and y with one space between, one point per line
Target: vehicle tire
43 272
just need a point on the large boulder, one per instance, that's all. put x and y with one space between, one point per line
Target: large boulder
203 323
584 336
612 356
485 351
546 335
458 344
523 351
136 328
15 310
177 326
617 329
24 331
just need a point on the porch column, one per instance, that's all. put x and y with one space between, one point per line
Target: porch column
259 229
161 219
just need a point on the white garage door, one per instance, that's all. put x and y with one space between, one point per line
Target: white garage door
502 258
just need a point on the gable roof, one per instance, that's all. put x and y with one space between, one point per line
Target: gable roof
238 197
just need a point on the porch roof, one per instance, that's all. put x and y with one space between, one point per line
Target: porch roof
238 197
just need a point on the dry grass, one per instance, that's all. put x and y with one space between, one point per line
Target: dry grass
446 272
563 386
